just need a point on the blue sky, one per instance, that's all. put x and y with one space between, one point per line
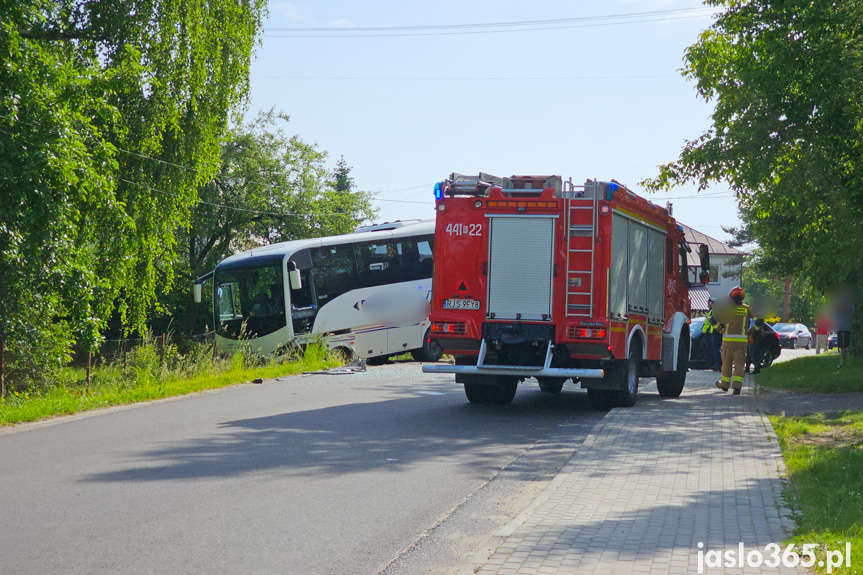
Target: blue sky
583 102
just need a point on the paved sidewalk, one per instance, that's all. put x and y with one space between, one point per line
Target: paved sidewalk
648 485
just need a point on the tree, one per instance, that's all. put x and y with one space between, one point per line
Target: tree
103 106
786 77
270 187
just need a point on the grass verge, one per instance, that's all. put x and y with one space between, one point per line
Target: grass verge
815 374
146 380
824 457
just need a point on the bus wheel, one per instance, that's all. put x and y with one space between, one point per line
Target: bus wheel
377 360
503 391
600 399
627 378
344 354
551 384
670 383
476 392
430 351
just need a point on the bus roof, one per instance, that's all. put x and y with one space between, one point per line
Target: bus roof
411 228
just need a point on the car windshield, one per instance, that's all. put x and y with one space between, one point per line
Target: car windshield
696 326
250 297
784 327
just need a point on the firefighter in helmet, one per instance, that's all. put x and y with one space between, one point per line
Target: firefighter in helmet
735 340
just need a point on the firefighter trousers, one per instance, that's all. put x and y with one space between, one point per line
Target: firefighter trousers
733 364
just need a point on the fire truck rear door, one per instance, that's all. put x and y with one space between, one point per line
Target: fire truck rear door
520 267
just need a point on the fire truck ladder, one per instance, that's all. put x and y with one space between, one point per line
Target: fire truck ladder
581 207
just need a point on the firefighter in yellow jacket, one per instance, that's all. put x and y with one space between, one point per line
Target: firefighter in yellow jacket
735 339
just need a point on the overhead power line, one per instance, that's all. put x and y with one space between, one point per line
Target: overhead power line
490 27
465 78
234 208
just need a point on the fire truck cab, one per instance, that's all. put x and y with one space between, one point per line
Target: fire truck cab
537 277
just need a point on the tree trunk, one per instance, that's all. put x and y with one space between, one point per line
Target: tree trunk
2 366
786 298
191 306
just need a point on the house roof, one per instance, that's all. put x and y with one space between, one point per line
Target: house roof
698 296
714 246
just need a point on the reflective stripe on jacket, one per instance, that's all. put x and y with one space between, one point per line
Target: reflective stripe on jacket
737 328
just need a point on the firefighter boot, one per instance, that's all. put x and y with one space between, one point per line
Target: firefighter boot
725 381
738 365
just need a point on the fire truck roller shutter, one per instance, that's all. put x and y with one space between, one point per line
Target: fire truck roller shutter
520 267
656 275
637 300
618 275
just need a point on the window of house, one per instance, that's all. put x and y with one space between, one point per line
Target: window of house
715 276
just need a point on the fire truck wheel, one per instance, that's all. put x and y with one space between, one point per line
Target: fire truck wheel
599 399
503 391
430 351
476 392
627 376
551 384
670 384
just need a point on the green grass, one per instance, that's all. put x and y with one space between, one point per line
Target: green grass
147 378
815 374
824 457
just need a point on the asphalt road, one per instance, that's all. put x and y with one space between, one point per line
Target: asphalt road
389 470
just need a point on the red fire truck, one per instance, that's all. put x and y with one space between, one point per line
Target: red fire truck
538 277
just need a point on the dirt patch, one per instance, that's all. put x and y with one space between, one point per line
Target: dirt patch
834 438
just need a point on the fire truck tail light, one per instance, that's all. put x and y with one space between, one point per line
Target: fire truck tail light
458 328
511 204
581 332
604 210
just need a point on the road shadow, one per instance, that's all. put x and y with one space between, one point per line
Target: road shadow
359 437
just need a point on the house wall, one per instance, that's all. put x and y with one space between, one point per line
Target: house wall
725 264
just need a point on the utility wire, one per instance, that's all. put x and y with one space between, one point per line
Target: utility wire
463 78
482 27
234 208
273 186
478 31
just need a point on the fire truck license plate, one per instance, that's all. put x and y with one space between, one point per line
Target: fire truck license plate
461 304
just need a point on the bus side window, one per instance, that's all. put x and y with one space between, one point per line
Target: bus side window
416 259
426 248
333 271
378 263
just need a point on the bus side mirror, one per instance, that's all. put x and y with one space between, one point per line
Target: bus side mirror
196 288
294 276
704 256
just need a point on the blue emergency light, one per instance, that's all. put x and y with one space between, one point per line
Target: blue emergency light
438 191
610 189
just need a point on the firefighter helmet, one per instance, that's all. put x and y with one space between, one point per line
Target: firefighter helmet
737 292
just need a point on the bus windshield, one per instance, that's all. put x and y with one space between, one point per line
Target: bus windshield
250 298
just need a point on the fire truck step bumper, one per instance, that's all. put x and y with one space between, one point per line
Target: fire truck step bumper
517 370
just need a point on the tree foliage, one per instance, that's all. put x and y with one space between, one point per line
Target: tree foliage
101 103
786 78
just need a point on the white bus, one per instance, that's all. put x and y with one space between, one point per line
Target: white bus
367 293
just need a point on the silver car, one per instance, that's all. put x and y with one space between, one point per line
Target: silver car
793 335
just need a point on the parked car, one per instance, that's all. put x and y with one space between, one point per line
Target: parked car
701 352
793 335
832 340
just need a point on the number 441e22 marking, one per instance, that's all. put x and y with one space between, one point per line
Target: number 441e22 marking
464 229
